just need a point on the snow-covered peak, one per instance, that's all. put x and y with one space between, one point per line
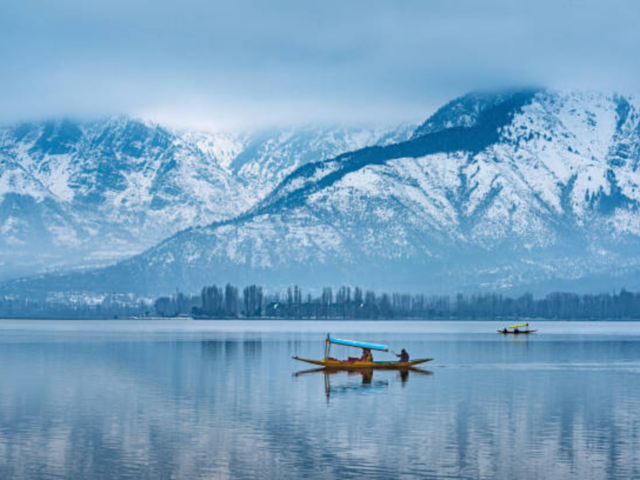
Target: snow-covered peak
466 110
534 187
524 187
122 183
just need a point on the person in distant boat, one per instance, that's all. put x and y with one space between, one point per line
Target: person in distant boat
403 356
516 330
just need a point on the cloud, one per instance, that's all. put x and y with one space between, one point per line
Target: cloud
244 62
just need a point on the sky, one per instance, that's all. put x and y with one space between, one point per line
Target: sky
240 64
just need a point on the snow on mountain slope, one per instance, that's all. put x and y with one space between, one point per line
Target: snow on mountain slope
521 188
271 155
77 193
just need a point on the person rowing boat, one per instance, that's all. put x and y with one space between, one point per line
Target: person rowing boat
403 356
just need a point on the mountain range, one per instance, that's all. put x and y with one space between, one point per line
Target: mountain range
527 188
89 193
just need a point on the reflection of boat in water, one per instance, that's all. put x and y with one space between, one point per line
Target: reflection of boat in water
352 364
367 373
366 386
515 330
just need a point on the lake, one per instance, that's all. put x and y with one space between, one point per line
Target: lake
223 399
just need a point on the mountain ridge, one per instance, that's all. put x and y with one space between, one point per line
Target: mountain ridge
534 188
96 191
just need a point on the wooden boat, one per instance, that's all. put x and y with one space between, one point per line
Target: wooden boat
515 330
332 363
340 364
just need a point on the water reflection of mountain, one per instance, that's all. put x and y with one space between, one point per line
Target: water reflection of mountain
229 408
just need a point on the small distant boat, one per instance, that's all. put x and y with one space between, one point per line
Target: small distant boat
515 330
332 363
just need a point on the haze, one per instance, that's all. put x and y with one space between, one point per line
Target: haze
244 63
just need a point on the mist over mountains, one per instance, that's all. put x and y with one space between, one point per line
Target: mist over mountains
519 189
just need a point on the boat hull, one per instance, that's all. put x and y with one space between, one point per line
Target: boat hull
337 364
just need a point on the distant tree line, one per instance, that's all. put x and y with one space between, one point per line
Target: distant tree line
112 306
343 303
355 303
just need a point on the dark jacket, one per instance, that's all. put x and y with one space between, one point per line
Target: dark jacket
403 357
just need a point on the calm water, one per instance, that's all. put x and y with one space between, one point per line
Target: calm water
195 399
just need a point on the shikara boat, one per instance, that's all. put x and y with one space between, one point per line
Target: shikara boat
515 330
332 363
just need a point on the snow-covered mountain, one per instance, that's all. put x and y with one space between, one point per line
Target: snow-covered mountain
81 193
521 188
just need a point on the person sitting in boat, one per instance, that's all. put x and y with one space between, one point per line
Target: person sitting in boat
367 356
403 356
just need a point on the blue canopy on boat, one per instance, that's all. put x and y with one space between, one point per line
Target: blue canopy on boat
351 343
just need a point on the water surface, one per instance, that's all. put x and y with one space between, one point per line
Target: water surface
195 399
